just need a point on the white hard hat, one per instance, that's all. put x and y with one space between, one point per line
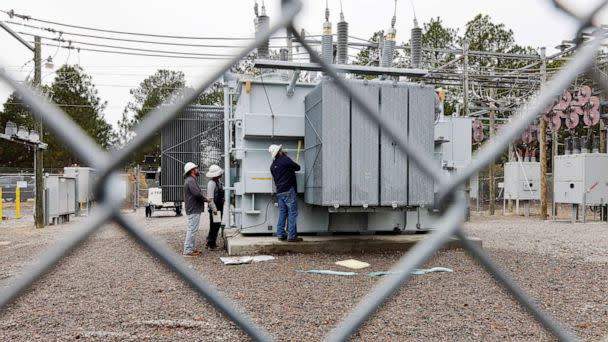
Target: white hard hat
274 149
214 171
189 166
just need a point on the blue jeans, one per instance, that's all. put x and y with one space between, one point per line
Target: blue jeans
288 211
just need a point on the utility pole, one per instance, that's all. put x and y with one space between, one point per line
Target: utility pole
542 139
491 175
38 159
465 78
465 113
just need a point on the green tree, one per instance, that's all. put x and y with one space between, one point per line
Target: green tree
163 87
366 55
437 36
75 93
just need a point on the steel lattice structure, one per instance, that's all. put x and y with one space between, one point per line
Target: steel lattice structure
450 224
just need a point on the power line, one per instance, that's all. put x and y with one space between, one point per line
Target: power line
135 53
62 40
143 54
30 18
61 32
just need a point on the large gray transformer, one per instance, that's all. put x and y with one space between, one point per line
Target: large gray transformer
353 177
350 162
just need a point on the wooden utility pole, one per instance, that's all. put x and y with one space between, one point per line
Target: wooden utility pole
491 175
39 212
542 140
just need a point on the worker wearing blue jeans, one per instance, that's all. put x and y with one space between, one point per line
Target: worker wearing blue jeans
283 171
288 211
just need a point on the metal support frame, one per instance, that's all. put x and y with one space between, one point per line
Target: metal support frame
450 196
342 68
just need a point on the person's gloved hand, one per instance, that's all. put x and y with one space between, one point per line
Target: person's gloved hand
214 211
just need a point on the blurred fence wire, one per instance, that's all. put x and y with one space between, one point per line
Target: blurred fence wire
108 206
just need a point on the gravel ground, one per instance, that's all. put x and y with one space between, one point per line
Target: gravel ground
110 289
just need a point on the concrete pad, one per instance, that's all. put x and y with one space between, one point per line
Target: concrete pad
252 245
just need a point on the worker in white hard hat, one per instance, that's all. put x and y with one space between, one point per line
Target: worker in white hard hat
283 171
195 202
215 196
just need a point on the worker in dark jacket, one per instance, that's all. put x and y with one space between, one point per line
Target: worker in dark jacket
215 196
283 171
195 202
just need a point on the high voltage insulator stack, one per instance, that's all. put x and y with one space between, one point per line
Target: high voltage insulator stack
327 49
262 24
388 50
342 40
416 42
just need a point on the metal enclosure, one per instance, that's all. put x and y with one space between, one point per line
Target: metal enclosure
353 178
60 198
522 180
85 178
581 179
196 135
265 115
453 134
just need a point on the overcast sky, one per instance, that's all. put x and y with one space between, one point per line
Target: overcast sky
535 22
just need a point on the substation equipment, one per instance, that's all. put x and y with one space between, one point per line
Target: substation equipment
522 172
353 177
580 177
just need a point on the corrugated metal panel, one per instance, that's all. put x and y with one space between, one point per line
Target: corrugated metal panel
336 146
421 116
393 163
327 146
313 147
365 141
196 135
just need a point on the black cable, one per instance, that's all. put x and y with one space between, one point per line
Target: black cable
52 30
63 40
268 100
135 53
29 18
140 54
238 231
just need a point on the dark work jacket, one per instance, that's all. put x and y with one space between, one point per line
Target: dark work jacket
283 171
193 197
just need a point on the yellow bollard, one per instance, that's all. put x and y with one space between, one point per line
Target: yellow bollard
0 204
18 202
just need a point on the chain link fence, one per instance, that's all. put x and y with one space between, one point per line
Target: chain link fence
450 194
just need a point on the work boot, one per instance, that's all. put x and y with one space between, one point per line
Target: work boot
296 239
193 254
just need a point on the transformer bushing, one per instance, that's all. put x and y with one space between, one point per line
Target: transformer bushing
327 49
416 43
388 50
342 42
263 25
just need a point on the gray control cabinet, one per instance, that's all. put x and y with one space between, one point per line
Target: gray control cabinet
581 179
522 180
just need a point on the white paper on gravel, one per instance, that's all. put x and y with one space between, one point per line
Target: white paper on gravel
245 259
